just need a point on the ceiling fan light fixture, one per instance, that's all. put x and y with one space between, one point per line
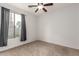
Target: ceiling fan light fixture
40 7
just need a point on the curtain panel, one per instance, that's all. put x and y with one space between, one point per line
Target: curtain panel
4 26
23 28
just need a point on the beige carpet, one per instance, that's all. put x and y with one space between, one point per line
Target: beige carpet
39 48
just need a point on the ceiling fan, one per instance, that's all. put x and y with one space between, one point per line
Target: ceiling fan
40 6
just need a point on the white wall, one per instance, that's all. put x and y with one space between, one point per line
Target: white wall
60 26
30 28
0 18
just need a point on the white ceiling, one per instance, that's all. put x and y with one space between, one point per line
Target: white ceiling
25 7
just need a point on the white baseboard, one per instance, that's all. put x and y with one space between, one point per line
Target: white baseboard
59 44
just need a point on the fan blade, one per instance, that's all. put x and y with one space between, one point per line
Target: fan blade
44 9
32 6
41 3
48 4
38 3
36 10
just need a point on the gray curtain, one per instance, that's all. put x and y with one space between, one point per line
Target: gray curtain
4 26
23 28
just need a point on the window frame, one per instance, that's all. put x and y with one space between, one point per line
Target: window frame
13 23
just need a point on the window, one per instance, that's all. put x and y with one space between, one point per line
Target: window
17 25
14 25
11 26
